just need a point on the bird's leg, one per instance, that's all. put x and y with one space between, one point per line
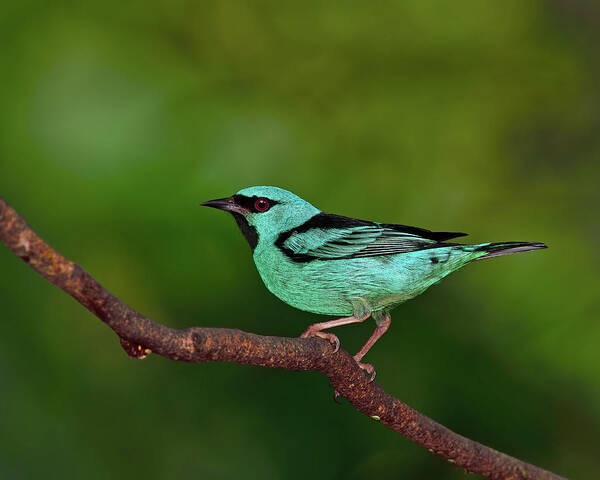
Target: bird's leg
382 320
316 329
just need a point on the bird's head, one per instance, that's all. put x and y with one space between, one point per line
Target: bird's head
265 212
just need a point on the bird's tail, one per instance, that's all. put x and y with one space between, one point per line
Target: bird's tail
506 248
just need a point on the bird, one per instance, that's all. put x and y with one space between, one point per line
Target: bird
340 266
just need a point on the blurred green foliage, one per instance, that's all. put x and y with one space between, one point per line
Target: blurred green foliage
118 118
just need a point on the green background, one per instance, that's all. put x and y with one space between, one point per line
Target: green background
117 118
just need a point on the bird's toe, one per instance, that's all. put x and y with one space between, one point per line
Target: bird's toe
333 339
370 369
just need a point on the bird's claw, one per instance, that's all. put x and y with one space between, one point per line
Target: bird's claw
370 369
334 340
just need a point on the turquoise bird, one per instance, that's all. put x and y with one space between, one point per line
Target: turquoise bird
334 265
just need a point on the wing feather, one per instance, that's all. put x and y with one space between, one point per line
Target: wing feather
333 237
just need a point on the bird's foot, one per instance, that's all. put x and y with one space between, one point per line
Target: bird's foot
367 367
334 340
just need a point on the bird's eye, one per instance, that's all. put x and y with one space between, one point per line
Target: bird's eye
261 205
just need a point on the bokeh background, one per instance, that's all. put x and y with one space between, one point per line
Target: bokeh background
118 118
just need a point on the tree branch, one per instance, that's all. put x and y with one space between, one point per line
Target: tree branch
140 335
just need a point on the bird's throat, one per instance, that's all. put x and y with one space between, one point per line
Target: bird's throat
248 230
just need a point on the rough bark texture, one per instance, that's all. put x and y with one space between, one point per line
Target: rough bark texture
140 336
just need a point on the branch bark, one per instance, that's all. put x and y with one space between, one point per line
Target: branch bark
140 336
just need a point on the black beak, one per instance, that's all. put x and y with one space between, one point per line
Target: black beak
228 204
